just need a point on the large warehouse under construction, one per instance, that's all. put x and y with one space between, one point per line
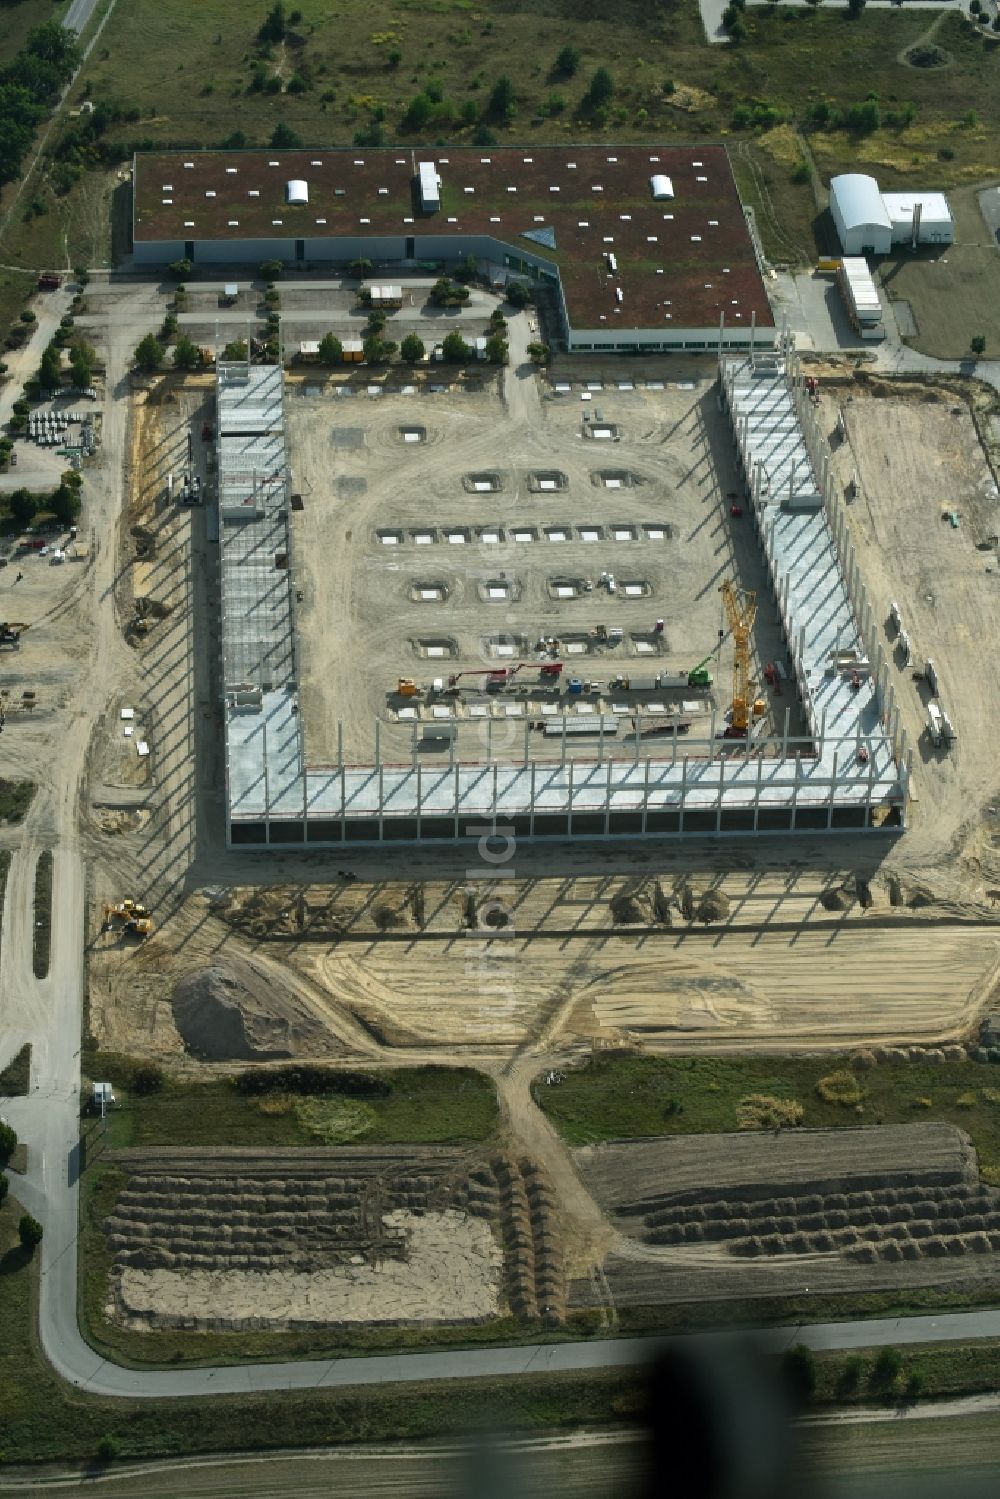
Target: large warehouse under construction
573 757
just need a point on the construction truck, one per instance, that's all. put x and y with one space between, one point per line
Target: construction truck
11 631
741 614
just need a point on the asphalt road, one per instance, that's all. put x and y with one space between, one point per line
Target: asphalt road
78 15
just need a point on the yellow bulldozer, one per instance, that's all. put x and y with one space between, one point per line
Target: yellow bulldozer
135 918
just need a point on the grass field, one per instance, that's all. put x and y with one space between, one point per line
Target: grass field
183 75
613 1097
427 1106
42 931
15 799
954 293
15 1078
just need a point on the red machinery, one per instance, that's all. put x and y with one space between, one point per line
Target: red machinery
736 511
499 676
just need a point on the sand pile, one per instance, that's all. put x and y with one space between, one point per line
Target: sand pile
227 1014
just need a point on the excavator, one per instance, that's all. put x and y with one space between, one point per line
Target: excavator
741 612
11 631
135 918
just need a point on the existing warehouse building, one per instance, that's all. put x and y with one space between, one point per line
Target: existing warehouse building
646 248
870 222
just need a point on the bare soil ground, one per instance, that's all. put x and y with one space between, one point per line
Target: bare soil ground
764 1215
649 508
624 1175
917 457
286 1239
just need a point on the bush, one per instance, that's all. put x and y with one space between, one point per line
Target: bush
887 1366
29 1231
841 1087
28 317
4 1188
850 1378
567 62
284 138
305 1079
147 1080
798 1373
236 350
8 1142
108 1448
761 1111
180 268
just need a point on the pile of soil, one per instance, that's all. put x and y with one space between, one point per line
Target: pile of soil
223 1015
713 906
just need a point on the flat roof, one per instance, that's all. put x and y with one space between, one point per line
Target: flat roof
680 262
933 205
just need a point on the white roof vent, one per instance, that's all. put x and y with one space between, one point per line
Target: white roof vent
297 192
660 186
429 184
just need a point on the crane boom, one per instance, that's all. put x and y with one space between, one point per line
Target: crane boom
741 613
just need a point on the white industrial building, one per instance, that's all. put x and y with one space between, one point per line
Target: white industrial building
870 222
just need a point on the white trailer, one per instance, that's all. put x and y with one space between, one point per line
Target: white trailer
935 724
930 672
895 616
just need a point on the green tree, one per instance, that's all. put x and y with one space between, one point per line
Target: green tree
81 363
29 1231
887 1367
235 141
466 269
602 87
496 349
417 114
4 1188
378 350
412 349
272 28
28 317
331 350
180 268
108 1449
24 508
454 348
376 321
186 354
503 101
284 138
539 353
235 351
567 62
517 294
855 8
978 345
798 1371
149 353
8 1135
271 268
360 268
50 369
64 503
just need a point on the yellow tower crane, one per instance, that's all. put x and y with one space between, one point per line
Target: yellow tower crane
741 611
